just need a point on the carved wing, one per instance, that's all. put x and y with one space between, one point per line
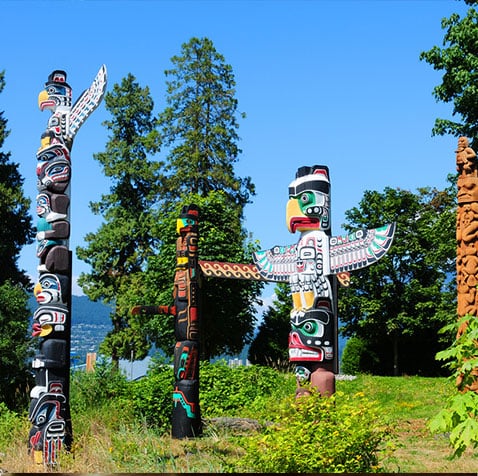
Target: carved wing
359 249
87 103
276 264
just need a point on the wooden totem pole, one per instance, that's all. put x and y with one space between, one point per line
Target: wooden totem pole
467 240
312 266
186 418
49 405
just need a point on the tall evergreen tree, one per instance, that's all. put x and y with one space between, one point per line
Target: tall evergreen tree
16 228
199 129
199 125
15 231
269 346
398 305
119 250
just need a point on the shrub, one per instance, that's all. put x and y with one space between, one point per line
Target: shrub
313 434
152 397
9 421
459 417
94 389
240 390
357 357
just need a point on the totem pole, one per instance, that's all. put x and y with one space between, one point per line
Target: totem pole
467 241
49 405
186 418
312 266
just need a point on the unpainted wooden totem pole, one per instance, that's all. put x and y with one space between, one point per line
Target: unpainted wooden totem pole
467 241
49 405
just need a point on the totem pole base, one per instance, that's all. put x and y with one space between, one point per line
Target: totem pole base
324 381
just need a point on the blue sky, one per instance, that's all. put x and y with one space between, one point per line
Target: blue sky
337 83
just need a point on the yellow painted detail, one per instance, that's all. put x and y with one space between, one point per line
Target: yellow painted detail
43 96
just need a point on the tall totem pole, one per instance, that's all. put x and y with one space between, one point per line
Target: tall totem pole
312 266
186 417
49 405
467 241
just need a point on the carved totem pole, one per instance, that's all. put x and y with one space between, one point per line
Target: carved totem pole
312 266
49 405
186 418
467 240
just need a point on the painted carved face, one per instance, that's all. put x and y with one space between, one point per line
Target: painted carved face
311 336
53 175
187 219
52 207
47 319
57 92
51 289
308 205
52 150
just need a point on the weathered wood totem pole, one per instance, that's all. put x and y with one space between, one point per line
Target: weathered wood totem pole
312 266
467 241
49 405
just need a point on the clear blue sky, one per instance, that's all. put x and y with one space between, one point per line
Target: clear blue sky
328 82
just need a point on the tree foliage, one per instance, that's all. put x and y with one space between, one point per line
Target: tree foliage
227 305
15 232
16 223
199 131
459 60
119 250
199 125
269 346
398 304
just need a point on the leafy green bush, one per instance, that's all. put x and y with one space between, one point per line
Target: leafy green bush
94 389
242 390
459 417
341 433
357 357
152 397
9 421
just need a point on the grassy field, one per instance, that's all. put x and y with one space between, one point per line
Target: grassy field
105 444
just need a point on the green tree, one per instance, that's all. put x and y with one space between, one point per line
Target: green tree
228 313
199 130
119 250
270 345
15 232
199 125
459 60
397 305
16 223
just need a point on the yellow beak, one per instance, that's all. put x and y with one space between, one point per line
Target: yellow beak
292 210
42 97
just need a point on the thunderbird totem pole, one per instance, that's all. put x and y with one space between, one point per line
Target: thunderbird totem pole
49 405
467 242
312 266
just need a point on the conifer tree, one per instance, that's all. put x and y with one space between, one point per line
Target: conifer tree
15 231
119 250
